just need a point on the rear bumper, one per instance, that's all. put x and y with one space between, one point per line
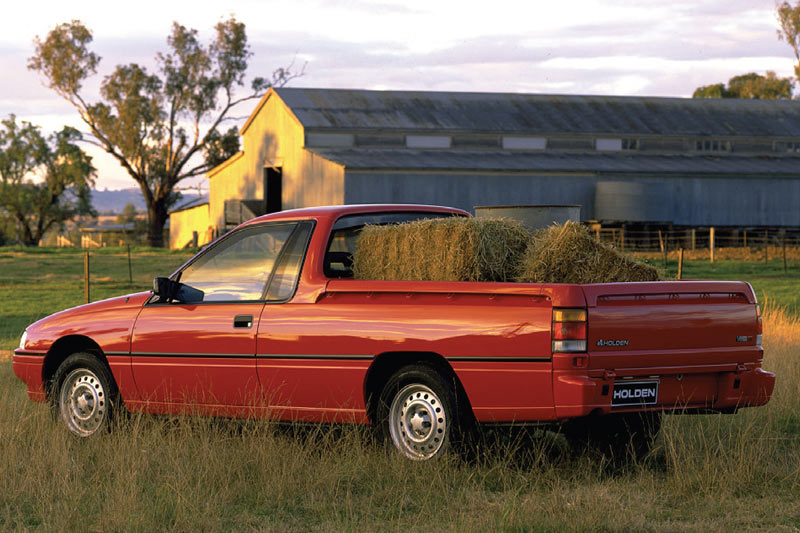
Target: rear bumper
578 395
28 368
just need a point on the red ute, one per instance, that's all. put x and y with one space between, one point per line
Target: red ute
267 322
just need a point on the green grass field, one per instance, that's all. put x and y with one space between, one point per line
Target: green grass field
706 473
37 282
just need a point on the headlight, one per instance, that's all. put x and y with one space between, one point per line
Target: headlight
23 339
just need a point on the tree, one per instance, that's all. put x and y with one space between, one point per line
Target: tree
128 214
165 127
752 86
65 171
789 20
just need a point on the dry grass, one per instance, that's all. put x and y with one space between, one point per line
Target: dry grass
569 253
707 473
448 249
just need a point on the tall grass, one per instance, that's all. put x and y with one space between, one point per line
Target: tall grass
709 472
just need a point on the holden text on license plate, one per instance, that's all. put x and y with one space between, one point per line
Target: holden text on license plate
635 393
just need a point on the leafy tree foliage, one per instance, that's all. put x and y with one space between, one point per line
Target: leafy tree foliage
752 86
65 175
789 19
161 127
128 214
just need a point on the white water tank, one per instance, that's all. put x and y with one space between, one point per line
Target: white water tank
531 216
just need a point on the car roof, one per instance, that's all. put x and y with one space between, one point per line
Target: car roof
336 211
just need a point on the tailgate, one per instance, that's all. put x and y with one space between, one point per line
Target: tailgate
652 328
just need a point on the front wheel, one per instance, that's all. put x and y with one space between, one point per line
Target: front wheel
418 412
84 394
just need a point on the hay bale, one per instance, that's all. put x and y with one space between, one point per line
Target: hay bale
441 249
570 254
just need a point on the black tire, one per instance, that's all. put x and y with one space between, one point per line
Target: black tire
619 437
419 413
84 395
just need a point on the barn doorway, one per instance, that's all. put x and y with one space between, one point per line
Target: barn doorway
273 189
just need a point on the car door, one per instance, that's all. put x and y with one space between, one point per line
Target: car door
203 353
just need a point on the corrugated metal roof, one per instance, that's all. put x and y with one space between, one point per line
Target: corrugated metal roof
498 160
200 200
346 109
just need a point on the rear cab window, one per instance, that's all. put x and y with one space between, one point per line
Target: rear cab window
338 262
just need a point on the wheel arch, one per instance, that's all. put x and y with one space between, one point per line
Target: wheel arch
63 348
386 364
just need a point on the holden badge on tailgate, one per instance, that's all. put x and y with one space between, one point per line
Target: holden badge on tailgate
609 342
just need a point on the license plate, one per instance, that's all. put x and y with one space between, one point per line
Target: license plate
634 393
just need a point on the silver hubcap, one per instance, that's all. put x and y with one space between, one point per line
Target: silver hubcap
82 402
417 422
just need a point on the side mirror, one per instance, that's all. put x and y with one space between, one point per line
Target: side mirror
169 290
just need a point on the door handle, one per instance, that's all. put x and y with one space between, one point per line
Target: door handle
243 321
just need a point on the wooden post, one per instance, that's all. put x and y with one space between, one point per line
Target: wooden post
766 246
130 270
711 243
785 269
694 238
745 238
86 276
622 238
660 241
680 264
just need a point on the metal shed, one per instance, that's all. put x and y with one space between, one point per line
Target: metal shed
705 162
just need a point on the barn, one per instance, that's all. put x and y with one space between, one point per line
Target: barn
677 161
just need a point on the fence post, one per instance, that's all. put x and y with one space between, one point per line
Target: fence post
680 264
745 238
130 270
694 238
785 269
711 243
766 246
622 238
86 276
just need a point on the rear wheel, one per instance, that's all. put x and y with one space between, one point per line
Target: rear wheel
84 394
616 436
418 412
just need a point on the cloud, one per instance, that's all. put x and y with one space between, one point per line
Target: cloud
582 47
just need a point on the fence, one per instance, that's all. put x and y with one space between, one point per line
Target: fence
670 238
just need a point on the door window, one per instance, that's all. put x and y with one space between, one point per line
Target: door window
239 267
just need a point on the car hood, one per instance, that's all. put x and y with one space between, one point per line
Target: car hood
106 322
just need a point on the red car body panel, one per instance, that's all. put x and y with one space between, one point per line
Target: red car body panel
107 323
309 358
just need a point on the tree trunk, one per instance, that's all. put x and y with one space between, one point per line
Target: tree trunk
156 219
24 234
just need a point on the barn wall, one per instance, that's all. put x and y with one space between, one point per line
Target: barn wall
183 223
466 190
685 200
739 201
275 138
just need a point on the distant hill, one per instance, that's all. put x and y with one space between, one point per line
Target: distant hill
113 201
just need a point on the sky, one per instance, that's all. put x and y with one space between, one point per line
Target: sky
612 47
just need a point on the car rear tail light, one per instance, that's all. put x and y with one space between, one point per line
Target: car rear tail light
569 330
759 326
